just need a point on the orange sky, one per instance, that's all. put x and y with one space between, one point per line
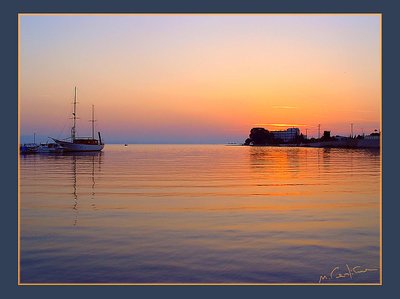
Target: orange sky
199 78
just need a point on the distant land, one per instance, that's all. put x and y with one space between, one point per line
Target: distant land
293 137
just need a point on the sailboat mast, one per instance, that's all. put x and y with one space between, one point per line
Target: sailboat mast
73 129
92 121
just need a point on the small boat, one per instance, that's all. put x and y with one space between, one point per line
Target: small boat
80 144
29 148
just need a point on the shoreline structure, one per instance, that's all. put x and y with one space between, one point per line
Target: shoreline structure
293 138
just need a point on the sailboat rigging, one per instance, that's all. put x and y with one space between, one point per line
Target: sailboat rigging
81 144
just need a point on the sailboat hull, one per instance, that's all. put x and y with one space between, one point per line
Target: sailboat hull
78 147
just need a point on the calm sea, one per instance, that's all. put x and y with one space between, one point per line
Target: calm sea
201 214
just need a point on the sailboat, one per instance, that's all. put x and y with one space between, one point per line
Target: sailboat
80 144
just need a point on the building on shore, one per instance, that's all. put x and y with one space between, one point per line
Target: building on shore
288 135
373 136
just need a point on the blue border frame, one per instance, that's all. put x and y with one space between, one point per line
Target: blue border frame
9 123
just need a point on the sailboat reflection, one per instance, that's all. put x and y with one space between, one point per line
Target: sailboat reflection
83 167
93 193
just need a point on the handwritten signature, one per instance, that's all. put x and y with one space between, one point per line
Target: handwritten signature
337 273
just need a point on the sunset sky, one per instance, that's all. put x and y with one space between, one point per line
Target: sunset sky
199 78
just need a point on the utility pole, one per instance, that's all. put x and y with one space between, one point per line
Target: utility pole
306 133
351 131
319 131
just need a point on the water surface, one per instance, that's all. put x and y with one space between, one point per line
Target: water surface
200 214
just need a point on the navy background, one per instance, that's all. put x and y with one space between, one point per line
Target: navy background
9 153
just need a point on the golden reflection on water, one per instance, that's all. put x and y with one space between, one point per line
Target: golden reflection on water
142 211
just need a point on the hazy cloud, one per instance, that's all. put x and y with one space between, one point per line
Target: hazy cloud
284 107
281 125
